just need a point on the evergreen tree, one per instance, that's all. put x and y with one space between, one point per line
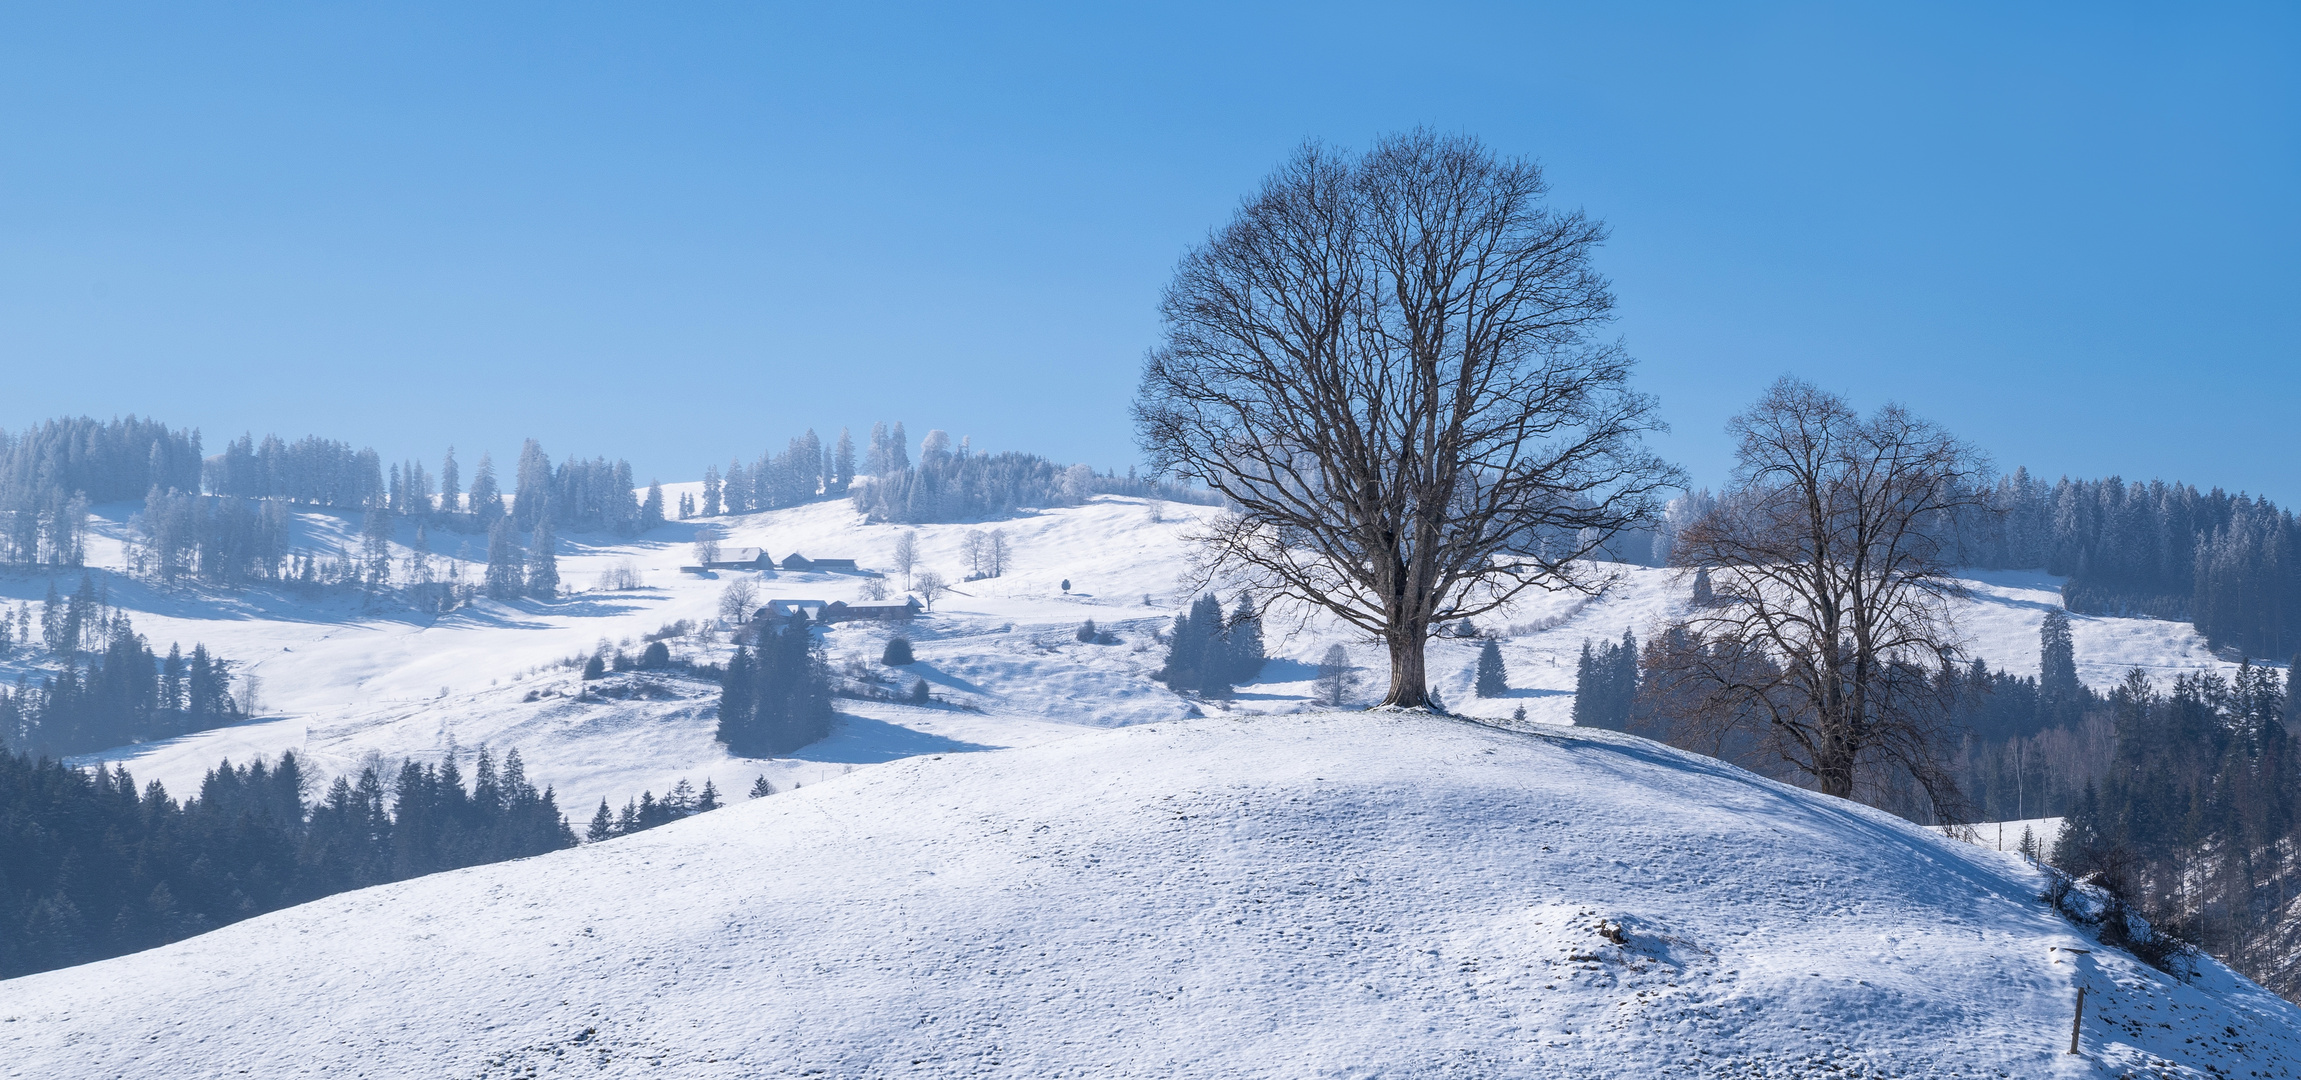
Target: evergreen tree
1243 640
486 497
843 464
711 491
760 788
2057 685
897 652
709 799
543 561
375 547
602 824
530 501
450 484
1493 681
651 510
1703 597
505 561
1606 684
1087 632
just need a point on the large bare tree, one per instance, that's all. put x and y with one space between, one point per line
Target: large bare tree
1830 564
1388 363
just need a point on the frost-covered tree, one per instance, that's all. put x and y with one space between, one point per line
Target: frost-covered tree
843 464
506 563
530 501
898 449
375 547
930 586
450 484
737 600
543 561
486 497
906 554
651 510
711 491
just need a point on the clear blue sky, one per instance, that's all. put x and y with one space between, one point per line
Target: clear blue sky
681 232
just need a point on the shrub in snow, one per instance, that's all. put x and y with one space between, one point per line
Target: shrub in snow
1087 631
898 652
656 656
919 692
595 667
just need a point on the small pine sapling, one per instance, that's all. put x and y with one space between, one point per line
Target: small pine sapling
595 667
1087 632
760 789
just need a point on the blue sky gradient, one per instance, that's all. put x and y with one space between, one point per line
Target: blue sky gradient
680 233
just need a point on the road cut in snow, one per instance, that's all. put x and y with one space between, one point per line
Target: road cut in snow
1320 894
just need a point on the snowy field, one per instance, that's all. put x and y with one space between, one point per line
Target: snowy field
342 681
1317 895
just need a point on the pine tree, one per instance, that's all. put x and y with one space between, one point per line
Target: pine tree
1703 597
505 561
543 561
651 511
1244 642
2057 668
897 652
486 497
843 463
450 484
602 824
530 502
1087 632
710 491
760 788
709 799
1492 680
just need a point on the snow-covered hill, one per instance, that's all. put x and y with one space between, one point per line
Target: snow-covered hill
1364 895
343 680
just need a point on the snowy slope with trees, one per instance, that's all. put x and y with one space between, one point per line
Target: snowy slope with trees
1358 894
342 678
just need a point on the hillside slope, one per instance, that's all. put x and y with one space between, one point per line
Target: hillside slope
1362 895
347 679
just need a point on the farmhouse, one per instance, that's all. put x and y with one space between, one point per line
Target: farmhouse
784 609
802 564
741 558
875 610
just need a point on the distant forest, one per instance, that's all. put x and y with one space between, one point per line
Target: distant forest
97 867
2229 564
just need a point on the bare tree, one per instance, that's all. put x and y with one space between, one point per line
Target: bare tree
995 553
972 546
706 546
1388 364
931 587
736 600
1830 564
1336 679
906 554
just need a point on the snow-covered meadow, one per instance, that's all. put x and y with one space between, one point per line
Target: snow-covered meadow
1322 894
342 680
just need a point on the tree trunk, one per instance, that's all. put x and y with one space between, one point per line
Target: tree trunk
1407 689
1834 766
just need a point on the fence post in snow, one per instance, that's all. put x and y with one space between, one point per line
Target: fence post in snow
2077 1019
